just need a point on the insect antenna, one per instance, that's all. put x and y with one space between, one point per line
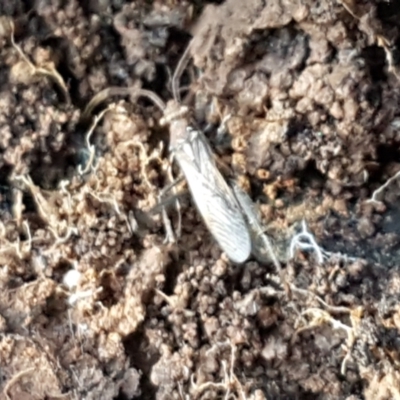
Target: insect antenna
152 97
178 73
119 91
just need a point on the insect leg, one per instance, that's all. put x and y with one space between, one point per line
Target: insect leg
169 236
222 129
162 203
171 185
166 202
177 203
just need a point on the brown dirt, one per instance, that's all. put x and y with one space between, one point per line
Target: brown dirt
95 305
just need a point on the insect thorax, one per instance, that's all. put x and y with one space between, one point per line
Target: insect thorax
174 112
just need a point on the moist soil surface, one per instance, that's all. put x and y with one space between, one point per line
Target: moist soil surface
109 290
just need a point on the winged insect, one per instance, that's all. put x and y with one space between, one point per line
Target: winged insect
213 197
210 192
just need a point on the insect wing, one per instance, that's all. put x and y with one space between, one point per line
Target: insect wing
262 247
213 197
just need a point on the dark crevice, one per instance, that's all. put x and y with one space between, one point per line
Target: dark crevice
142 357
172 272
375 59
6 198
311 177
386 154
389 11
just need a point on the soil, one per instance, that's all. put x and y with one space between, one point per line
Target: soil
300 100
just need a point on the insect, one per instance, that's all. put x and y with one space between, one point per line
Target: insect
210 192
